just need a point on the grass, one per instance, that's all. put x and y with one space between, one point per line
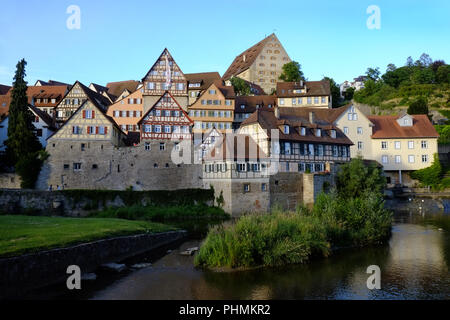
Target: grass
163 213
26 234
281 238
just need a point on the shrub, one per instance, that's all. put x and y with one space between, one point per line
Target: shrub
430 176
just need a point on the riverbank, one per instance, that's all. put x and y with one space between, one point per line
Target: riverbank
21 274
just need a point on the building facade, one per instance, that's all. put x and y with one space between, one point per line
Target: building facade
261 64
214 109
128 111
304 94
165 75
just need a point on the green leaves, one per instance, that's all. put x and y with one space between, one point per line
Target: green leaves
292 72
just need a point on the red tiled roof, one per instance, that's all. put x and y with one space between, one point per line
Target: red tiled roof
235 147
205 79
313 88
299 117
239 65
4 89
251 102
116 88
388 127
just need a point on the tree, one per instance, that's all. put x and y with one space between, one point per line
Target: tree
418 106
409 62
425 60
292 72
241 87
391 67
373 74
21 131
443 74
436 64
422 76
356 178
349 93
335 92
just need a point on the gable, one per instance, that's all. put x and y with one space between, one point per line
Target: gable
166 103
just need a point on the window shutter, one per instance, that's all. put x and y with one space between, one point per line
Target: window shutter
84 114
73 130
96 130
106 130
89 130
93 114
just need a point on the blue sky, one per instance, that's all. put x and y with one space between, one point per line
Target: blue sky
120 40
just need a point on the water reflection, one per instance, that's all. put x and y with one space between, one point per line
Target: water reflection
414 265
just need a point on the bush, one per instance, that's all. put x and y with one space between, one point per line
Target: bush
430 176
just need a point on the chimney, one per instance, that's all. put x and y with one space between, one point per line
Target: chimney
277 112
244 57
312 117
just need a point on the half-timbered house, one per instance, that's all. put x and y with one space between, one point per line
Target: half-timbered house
165 75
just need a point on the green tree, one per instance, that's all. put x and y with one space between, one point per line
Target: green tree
22 145
241 87
335 92
443 74
391 67
373 74
422 76
292 72
349 93
356 178
21 131
418 106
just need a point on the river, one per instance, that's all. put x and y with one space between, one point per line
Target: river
414 265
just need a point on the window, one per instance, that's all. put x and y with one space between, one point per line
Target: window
398 159
301 167
397 145
384 159
333 134
359 130
324 100
424 158
94 167
83 147
286 129
167 129
147 146
76 166
360 145
241 167
346 130
411 159
424 144
212 91
410 144
158 129
281 102
66 167
246 187
162 146
180 86
303 131
316 100
264 187
309 100
76 130
318 132
384 145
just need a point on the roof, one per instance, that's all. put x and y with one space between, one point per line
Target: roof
227 91
313 88
35 92
251 102
298 117
44 116
4 89
243 61
116 88
98 99
387 127
235 147
98 88
205 79
254 88
52 83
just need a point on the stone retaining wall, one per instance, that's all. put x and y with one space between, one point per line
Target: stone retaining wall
23 273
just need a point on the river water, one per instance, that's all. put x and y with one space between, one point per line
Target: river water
414 265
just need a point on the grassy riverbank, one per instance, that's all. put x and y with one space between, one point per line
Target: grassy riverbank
26 234
163 213
353 214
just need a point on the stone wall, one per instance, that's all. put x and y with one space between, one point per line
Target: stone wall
9 181
286 190
20 274
103 166
81 203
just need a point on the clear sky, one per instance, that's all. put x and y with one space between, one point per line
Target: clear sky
120 40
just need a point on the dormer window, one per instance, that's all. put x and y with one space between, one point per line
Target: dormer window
333 134
407 122
286 129
318 132
242 106
303 131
